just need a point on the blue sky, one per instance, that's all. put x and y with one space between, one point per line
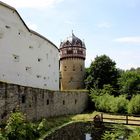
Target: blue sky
110 27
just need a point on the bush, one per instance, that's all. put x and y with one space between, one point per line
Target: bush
119 104
134 105
118 132
18 129
109 103
135 135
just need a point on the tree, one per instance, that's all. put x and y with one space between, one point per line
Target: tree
129 82
102 71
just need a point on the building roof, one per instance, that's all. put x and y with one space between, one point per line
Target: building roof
72 41
31 31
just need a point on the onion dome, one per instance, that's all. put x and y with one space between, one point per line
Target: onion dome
72 47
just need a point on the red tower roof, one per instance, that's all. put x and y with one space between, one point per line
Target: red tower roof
72 47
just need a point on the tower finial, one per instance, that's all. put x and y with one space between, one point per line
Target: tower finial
72 33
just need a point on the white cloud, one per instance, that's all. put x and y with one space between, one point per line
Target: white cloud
104 25
129 40
32 26
31 3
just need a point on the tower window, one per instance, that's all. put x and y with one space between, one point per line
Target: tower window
81 68
75 51
80 52
65 68
75 101
73 67
71 78
69 51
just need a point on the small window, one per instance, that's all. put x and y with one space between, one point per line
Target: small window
44 78
39 59
28 69
65 68
45 85
6 26
75 101
71 78
38 76
73 67
31 47
81 68
47 102
49 65
69 51
23 98
16 58
80 52
63 102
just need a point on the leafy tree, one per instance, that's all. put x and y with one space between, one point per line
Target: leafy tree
102 71
134 105
129 82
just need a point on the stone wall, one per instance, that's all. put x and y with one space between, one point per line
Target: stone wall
38 103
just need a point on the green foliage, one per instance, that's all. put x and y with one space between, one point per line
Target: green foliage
108 103
15 128
135 135
134 105
102 71
129 83
18 129
2 137
117 132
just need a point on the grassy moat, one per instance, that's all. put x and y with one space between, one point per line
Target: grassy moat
17 128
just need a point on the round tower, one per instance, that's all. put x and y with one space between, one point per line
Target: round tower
72 63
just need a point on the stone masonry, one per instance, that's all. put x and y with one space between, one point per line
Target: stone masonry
39 103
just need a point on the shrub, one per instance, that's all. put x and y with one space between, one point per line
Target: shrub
118 132
135 135
18 129
109 103
134 105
